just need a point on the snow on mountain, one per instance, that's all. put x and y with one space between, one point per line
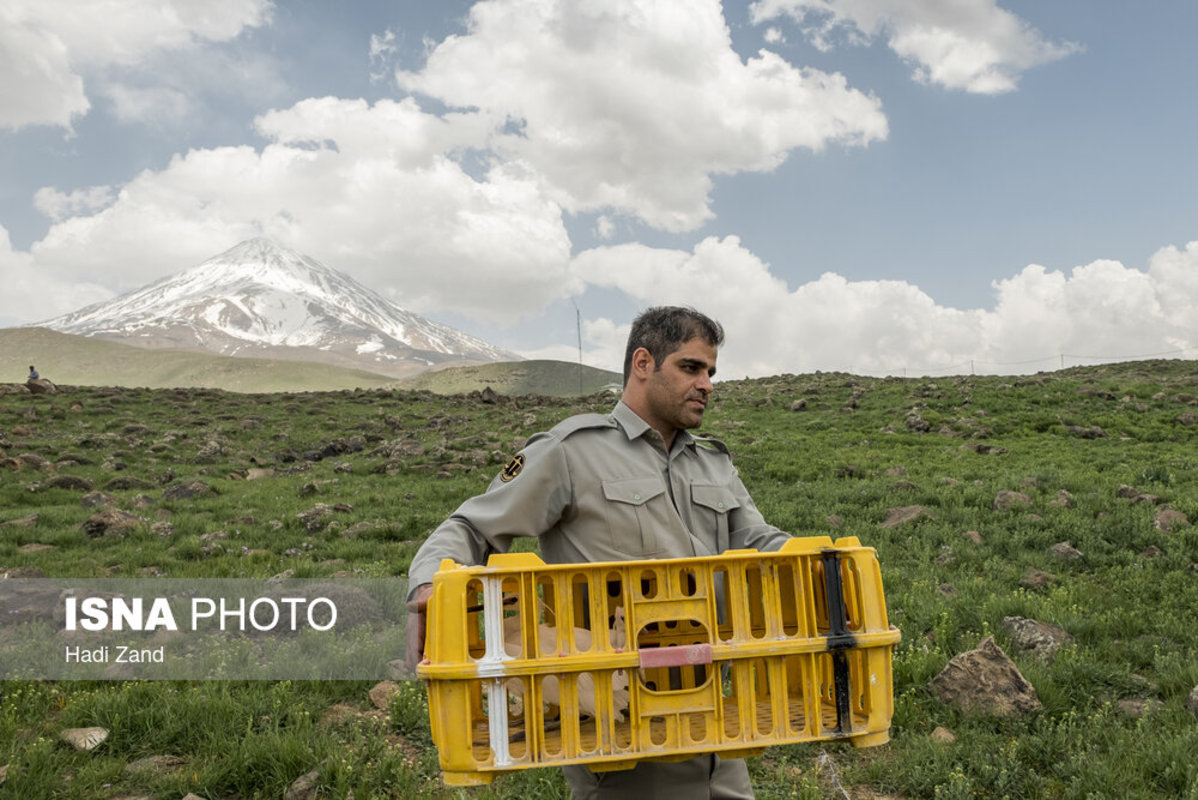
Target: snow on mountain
260 299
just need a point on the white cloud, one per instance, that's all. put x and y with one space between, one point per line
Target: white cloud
35 292
605 227
629 106
382 50
1100 311
632 105
970 44
59 205
1176 273
48 46
39 84
366 188
133 104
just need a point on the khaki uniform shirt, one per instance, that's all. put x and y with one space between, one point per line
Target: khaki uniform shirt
603 488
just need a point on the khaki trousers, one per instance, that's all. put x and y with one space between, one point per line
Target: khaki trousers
706 777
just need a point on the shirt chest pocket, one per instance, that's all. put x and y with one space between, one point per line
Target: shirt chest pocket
713 504
635 513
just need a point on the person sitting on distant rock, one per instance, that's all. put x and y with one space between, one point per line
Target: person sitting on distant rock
33 376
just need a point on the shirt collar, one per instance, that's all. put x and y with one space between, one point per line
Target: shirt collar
634 427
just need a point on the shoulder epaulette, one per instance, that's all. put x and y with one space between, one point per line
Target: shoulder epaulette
581 422
712 444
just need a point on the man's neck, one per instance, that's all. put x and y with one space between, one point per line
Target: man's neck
667 436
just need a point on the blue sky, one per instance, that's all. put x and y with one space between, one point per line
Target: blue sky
875 186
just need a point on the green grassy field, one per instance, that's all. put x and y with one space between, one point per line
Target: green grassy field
822 454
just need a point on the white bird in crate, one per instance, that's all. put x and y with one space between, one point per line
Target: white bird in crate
547 645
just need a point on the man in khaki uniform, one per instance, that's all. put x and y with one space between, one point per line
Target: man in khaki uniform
633 484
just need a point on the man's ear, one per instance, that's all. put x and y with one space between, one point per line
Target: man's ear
642 363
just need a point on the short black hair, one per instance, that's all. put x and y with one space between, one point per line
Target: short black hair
663 329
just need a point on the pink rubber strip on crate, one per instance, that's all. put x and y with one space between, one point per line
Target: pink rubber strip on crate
676 656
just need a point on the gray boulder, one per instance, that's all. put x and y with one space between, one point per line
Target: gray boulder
986 681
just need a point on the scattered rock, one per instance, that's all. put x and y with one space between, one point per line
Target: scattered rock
187 491
126 483
382 692
1005 500
21 572
986 681
41 386
798 405
315 518
1062 500
68 482
257 473
1091 432
1168 520
304 787
1065 551
339 714
1137 707
29 601
972 536
111 522
357 529
916 422
84 739
903 514
160 763
943 735
208 453
1035 579
1135 495
34 461
21 522
97 500
1192 702
1043 639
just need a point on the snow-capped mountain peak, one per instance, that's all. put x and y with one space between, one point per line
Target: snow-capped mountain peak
265 300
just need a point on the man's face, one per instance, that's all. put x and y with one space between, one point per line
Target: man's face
677 393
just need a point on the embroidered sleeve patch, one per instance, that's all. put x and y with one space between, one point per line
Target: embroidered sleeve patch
512 468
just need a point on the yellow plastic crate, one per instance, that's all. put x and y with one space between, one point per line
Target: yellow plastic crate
531 664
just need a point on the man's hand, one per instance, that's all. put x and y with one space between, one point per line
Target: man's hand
417 618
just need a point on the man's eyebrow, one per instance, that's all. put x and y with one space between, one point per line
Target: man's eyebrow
697 362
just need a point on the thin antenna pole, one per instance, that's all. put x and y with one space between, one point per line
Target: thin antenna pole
578 321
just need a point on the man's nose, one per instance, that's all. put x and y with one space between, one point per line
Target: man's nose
705 385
